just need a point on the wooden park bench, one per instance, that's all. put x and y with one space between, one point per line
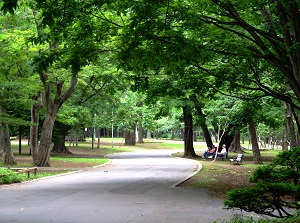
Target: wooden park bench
24 170
237 159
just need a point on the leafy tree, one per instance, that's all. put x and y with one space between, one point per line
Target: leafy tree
232 45
173 91
129 114
15 87
276 192
65 28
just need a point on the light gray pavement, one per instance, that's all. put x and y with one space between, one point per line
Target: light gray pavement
136 187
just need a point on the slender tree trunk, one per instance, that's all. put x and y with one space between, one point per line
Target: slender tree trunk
148 134
34 129
1 140
8 156
255 147
130 137
45 142
225 137
285 135
93 137
172 134
140 133
296 118
117 133
202 123
291 127
236 143
20 140
188 134
98 136
195 136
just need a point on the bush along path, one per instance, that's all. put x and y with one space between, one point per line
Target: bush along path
276 192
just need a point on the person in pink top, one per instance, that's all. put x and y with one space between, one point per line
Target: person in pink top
209 152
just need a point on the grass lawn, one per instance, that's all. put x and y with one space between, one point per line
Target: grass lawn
217 177
220 176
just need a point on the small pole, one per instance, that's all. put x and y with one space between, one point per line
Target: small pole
112 129
20 140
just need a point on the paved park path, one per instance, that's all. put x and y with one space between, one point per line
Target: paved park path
136 187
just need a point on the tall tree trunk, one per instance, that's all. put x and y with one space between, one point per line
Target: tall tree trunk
130 137
34 129
7 154
296 118
255 147
291 127
117 133
195 136
202 123
285 143
60 132
188 134
236 143
60 146
148 134
52 108
93 137
45 142
172 134
225 137
9 158
98 136
140 133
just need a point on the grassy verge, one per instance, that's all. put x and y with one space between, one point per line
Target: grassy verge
221 176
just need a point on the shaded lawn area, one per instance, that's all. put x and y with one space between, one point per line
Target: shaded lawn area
82 157
220 176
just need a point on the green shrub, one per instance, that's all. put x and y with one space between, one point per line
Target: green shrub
249 219
8 176
276 192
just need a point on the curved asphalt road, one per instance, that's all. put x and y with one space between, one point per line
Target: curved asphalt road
136 187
